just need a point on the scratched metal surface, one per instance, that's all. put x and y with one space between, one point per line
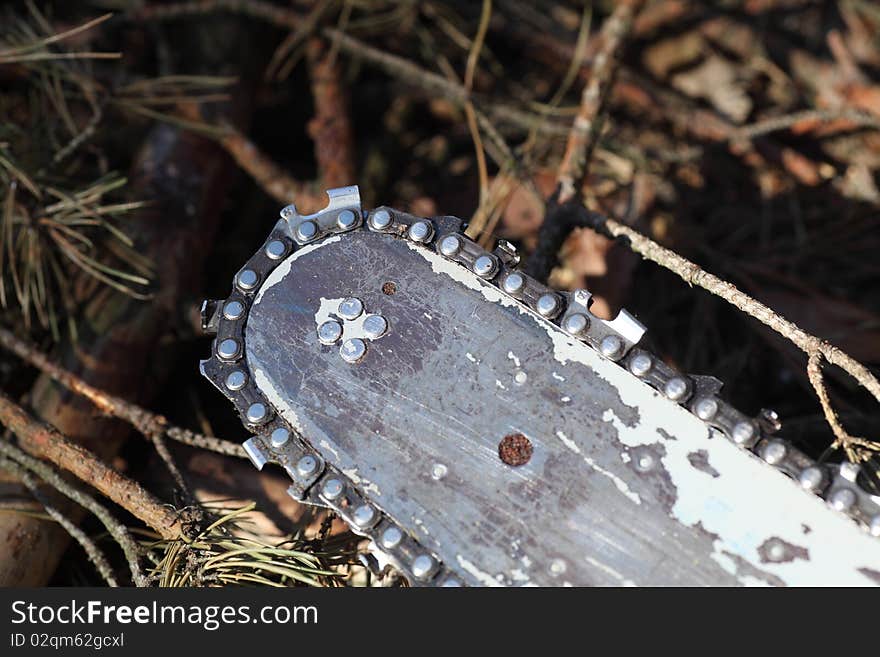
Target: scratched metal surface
455 374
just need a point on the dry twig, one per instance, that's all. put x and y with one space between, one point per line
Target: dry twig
586 127
116 529
147 423
48 443
815 348
93 552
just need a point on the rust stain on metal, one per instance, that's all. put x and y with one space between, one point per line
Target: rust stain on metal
389 288
515 449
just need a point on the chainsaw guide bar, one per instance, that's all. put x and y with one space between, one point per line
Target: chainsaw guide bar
483 429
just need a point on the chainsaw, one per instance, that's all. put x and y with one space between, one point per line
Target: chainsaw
482 429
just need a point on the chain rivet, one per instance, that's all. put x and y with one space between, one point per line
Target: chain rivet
380 219
235 380
450 245
773 452
743 432
307 466
332 489
611 346
233 310
547 305
391 538
279 437
706 408
247 279
276 249
420 231
257 413
811 478
676 388
423 566
346 220
365 516
485 266
513 283
575 324
641 364
227 349
842 499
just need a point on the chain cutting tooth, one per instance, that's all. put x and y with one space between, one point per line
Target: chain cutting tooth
342 214
507 253
210 316
611 338
255 451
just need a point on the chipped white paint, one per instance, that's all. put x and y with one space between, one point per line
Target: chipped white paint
428 316
520 378
618 482
568 442
512 356
558 377
500 385
356 479
421 525
565 399
326 445
471 357
283 269
609 571
353 475
745 515
483 578
264 383
746 504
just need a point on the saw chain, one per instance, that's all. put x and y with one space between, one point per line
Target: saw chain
643 474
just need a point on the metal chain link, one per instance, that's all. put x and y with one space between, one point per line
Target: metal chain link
322 484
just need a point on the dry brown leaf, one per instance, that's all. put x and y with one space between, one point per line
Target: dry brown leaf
717 81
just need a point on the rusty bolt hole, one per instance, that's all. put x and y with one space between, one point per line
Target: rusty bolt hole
515 449
389 288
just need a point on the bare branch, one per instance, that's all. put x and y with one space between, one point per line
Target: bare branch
93 552
585 130
147 423
814 347
116 529
46 442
